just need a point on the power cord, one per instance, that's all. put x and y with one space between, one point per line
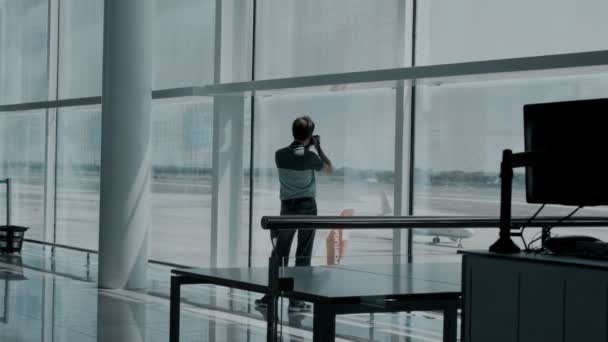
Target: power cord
535 238
557 223
523 239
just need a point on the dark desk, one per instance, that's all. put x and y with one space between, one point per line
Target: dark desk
343 289
529 297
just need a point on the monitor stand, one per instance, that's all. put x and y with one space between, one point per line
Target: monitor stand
504 245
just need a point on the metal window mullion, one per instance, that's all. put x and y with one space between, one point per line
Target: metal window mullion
215 147
50 153
401 245
254 13
412 144
217 47
594 61
400 186
50 130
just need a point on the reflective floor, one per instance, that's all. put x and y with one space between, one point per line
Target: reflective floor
55 299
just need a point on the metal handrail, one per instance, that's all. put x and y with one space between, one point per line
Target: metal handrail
92 251
7 181
427 222
57 245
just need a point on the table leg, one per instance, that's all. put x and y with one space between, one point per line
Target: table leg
174 309
272 320
324 324
450 322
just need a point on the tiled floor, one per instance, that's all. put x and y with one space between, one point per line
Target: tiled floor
44 299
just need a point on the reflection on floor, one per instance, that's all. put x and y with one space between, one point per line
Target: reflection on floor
44 299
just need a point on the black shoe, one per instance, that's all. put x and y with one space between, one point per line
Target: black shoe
298 306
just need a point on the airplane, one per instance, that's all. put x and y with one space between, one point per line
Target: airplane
453 234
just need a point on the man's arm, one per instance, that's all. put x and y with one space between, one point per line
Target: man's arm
328 168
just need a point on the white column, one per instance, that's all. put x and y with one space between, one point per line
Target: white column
125 154
130 313
402 170
228 131
234 40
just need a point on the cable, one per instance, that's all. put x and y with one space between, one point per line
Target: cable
523 239
558 222
567 217
535 238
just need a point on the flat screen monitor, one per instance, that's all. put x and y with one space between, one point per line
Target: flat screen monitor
571 139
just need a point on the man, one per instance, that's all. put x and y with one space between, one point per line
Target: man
297 164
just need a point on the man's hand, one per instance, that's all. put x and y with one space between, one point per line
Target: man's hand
328 169
316 141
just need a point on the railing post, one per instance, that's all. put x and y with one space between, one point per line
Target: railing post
8 201
273 291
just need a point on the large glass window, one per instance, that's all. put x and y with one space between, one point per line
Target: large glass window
357 133
180 186
184 33
23 51
237 41
461 130
297 38
180 224
473 30
22 160
22 313
78 175
80 48
183 46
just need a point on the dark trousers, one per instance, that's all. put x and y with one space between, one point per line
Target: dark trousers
298 206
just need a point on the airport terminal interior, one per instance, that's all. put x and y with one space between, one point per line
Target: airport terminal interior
153 154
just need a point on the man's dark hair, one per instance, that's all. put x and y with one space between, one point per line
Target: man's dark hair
302 128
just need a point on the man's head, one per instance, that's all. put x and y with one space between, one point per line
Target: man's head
302 129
